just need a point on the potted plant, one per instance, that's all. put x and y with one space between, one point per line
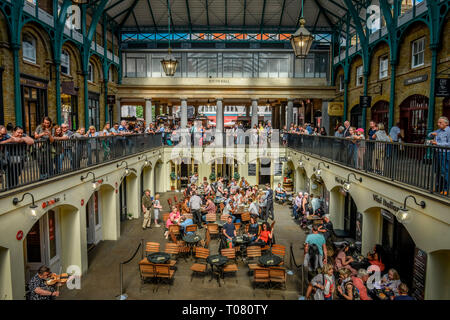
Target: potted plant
237 176
130 216
212 176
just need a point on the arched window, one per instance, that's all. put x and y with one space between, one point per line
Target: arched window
65 62
91 72
29 48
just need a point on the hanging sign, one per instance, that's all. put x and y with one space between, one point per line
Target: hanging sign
419 274
442 87
417 79
19 235
365 102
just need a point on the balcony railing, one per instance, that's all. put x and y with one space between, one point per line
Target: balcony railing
25 164
422 166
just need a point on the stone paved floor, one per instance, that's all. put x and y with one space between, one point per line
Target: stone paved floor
102 279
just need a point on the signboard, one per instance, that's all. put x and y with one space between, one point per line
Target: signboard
252 169
336 109
283 159
419 274
442 87
365 102
417 79
111 99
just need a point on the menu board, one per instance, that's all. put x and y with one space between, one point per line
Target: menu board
419 274
252 169
278 170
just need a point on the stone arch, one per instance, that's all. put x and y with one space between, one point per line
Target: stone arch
98 69
6 292
43 38
438 278
158 176
148 181
337 203
300 179
110 212
74 52
401 34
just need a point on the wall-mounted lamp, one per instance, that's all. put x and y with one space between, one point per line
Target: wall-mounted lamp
403 215
300 162
127 170
318 171
33 206
95 183
346 185
146 162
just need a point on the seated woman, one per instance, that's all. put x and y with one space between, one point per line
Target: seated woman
375 257
174 217
342 261
323 285
253 228
346 288
391 281
265 236
185 206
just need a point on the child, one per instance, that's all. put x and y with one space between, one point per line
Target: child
156 208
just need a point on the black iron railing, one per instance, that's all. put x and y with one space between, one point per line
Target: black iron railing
422 166
22 164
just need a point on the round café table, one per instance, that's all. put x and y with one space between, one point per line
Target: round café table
191 240
270 260
217 261
158 257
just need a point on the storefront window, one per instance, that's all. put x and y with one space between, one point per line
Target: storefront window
34 106
29 48
94 110
65 62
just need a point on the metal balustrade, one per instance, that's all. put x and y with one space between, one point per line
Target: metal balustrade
423 166
22 164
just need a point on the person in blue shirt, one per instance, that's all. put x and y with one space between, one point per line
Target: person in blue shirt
3 134
442 139
184 223
319 240
229 231
402 293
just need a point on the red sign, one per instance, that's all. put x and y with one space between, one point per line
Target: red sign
82 202
19 235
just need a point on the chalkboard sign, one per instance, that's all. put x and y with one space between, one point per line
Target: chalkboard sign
442 87
252 169
365 102
278 170
419 274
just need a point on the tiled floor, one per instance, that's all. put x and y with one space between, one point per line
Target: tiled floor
102 280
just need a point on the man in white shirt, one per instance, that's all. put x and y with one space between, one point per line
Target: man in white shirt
253 209
280 193
297 205
195 203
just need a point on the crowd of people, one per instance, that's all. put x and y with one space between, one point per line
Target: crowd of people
225 196
336 268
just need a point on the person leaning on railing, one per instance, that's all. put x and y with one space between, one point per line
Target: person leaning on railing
14 155
442 139
44 132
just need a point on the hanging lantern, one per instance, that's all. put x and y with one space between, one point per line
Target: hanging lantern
301 40
169 64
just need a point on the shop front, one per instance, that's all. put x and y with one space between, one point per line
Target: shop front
399 247
34 102
42 245
69 104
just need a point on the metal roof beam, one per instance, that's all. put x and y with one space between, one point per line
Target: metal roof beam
170 14
135 20
262 16
153 16
114 5
207 13
189 14
282 12
128 13
245 9
226 13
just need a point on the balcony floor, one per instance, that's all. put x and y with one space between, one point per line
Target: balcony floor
102 279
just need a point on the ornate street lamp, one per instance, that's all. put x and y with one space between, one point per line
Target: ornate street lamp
169 63
302 39
403 214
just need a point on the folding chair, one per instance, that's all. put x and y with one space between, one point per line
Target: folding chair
253 252
279 250
245 218
163 272
191 228
200 268
147 271
213 229
172 249
230 267
261 276
152 247
278 276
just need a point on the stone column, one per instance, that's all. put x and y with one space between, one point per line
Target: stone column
254 112
148 112
219 115
290 112
325 117
157 109
119 111
183 114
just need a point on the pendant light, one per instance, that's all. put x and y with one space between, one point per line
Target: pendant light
302 39
169 63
